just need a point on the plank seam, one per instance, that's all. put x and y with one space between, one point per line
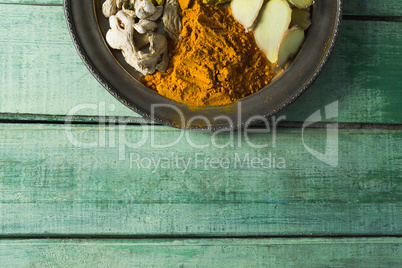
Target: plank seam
344 17
372 18
184 237
138 121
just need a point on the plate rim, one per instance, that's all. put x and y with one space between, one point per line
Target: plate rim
131 105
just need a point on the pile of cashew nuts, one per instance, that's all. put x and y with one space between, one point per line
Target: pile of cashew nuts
132 27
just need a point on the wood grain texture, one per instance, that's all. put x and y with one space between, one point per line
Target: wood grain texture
41 71
372 7
50 186
42 74
351 7
33 2
363 252
363 74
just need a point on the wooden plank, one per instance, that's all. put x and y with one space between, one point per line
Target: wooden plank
41 71
348 252
372 7
350 7
52 186
33 2
363 73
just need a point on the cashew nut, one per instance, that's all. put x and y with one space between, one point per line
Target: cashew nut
171 19
144 9
145 25
109 8
121 36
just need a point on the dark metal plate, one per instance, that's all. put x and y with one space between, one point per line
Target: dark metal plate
87 27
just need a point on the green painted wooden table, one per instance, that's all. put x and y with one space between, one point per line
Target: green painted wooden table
80 194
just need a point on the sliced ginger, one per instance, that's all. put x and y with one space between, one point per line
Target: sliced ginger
246 12
301 3
300 18
273 21
290 44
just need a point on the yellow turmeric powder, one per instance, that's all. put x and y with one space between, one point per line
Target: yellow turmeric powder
214 63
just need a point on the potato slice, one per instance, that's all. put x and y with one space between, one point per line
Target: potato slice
273 21
246 11
290 44
301 3
300 18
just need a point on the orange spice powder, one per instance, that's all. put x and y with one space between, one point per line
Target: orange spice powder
214 63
